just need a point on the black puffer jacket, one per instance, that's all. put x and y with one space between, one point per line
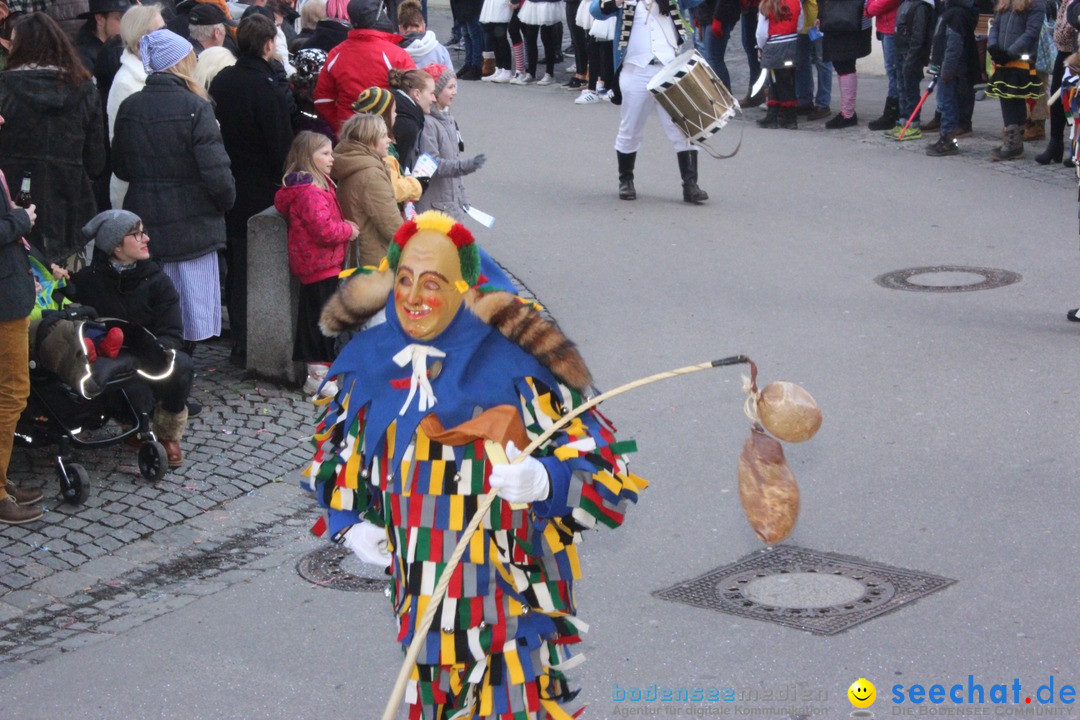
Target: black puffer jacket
913 36
954 50
55 131
143 295
168 146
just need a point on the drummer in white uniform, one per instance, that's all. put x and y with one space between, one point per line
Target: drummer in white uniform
648 39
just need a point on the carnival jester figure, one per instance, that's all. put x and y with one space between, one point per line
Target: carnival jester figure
400 464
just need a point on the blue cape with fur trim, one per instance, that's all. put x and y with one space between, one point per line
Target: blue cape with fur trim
482 369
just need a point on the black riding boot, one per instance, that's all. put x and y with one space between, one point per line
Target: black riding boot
626 175
889 116
771 119
691 193
1055 150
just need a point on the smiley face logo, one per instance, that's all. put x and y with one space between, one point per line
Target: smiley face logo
862 693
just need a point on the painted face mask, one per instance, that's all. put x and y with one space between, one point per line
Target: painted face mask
426 295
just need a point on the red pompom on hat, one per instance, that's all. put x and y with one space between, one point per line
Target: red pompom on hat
441 74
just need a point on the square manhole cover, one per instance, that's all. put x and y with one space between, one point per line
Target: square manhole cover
821 592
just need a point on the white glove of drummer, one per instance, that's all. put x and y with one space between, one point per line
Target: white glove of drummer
523 482
368 542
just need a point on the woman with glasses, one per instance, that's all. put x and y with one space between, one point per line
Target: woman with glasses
123 282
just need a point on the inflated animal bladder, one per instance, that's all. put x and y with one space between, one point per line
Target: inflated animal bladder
788 412
767 488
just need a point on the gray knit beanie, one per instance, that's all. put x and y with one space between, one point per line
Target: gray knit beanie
441 74
108 228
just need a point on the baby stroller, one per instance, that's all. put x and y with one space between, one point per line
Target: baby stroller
70 396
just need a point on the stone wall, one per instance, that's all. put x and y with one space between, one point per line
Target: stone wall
272 301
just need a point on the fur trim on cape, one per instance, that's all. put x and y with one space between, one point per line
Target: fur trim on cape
364 295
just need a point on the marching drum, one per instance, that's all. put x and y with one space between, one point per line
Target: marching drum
692 94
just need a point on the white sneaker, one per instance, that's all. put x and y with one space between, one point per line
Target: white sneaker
604 94
491 77
548 79
587 97
502 75
521 79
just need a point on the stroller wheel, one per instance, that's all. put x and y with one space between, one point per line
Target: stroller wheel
153 461
75 488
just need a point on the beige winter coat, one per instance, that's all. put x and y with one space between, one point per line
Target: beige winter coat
367 198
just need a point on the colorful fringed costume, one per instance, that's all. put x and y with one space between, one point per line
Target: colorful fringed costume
501 639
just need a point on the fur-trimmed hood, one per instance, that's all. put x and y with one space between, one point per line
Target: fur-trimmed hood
364 294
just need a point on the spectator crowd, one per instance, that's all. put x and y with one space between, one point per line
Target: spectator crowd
148 135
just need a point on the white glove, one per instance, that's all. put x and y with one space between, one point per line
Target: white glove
522 482
368 541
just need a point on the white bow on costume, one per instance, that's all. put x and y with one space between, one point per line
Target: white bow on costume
418 355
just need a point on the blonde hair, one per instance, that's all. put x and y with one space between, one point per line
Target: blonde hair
137 21
769 8
301 157
364 128
1016 6
211 62
312 12
185 70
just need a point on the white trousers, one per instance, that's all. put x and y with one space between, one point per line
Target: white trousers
637 103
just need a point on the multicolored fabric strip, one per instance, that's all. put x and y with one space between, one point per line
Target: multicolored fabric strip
502 634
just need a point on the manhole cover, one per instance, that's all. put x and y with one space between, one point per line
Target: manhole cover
337 568
947 278
823 593
801 590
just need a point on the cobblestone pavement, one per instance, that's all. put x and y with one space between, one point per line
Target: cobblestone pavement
249 434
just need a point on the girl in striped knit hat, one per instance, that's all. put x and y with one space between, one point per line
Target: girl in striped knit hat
378 101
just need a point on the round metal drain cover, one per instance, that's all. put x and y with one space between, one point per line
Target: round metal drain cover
338 569
806 591
947 278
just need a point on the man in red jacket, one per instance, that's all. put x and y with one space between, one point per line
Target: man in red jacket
358 63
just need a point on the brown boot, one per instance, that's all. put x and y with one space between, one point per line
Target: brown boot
24 496
1012 145
169 430
12 513
1035 130
488 68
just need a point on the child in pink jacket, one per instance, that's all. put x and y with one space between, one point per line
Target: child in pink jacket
318 239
